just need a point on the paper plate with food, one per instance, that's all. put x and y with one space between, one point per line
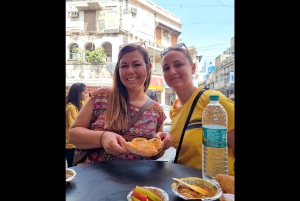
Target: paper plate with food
193 188
143 147
145 193
70 174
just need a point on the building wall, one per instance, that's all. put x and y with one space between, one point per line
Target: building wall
221 78
112 23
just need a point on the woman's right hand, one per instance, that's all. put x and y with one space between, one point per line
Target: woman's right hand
113 143
166 137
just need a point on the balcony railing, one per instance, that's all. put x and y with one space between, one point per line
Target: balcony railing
90 71
73 56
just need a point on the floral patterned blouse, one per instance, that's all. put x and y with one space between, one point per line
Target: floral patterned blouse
146 126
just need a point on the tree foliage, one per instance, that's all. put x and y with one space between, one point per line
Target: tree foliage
96 56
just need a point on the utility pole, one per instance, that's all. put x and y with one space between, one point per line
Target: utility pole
153 64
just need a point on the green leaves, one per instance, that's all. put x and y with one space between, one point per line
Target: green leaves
96 56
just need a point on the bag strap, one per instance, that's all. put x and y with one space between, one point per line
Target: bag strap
130 123
139 113
187 121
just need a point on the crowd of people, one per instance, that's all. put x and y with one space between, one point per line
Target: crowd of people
101 123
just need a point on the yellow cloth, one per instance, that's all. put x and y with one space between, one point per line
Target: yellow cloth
191 147
71 113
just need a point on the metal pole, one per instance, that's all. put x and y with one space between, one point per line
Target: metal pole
153 65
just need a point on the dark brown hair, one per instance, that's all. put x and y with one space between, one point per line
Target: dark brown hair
74 95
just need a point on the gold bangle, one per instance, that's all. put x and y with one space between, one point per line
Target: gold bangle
101 137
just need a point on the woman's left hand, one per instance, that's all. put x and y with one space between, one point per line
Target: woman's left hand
166 138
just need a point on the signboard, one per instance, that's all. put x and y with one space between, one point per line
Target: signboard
145 23
156 84
127 22
231 77
108 21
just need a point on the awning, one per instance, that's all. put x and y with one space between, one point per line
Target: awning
156 84
168 27
89 6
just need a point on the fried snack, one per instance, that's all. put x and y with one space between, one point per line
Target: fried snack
144 147
226 182
227 197
139 139
157 143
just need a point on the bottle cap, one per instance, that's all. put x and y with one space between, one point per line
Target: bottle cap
214 97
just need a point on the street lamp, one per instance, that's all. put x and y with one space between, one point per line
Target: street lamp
199 58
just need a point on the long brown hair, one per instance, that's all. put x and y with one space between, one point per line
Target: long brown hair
117 114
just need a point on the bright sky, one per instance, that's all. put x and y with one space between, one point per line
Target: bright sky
208 25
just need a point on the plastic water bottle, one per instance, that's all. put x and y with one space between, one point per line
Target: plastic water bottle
214 139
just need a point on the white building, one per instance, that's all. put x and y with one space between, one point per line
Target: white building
205 70
110 23
222 78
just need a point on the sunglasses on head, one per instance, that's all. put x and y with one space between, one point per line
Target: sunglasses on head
175 46
136 43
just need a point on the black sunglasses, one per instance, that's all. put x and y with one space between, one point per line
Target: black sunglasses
175 46
136 43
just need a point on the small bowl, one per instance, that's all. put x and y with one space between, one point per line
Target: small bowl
72 173
227 196
216 188
164 195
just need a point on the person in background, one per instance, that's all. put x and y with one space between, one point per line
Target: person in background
152 95
102 122
75 100
178 68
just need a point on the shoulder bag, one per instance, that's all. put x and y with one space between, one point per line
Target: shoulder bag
187 122
81 154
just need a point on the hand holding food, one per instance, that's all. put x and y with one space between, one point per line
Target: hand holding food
226 182
166 137
144 147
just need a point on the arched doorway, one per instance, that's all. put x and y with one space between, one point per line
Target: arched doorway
73 54
90 46
108 51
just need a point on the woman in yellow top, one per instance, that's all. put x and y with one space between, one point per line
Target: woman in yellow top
178 68
75 100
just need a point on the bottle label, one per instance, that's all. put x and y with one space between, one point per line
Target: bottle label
216 138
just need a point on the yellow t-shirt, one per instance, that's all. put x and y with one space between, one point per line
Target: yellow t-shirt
71 113
191 147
